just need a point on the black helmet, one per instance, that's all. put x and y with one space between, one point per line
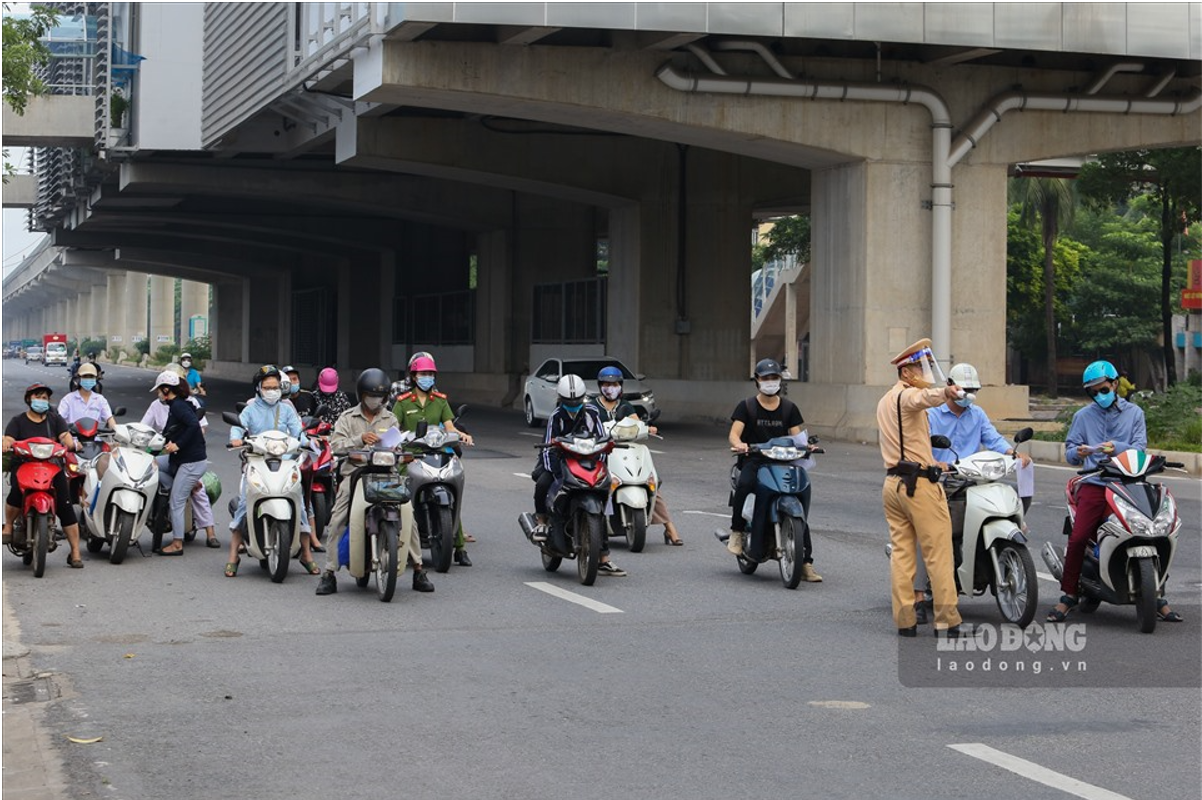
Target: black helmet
767 366
37 387
289 369
263 373
372 381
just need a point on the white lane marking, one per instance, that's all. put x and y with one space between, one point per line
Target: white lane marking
1032 771
657 452
1047 577
525 475
706 513
572 597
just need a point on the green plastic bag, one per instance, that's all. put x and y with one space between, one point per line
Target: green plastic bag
212 486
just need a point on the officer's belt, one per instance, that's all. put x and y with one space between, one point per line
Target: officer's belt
911 471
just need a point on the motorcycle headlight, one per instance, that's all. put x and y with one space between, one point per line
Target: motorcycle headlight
383 458
1137 522
782 453
435 438
275 447
41 451
1166 517
141 439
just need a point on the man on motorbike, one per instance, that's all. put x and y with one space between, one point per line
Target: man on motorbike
265 412
302 400
1106 426
85 402
192 375
756 420
570 418
613 407
41 421
423 402
362 427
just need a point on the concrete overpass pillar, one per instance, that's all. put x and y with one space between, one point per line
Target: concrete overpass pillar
266 308
136 305
229 327
98 313
162 312
494 303
194 301
365 317
116 322
83 315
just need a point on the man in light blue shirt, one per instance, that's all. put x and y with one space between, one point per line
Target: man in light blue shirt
966 424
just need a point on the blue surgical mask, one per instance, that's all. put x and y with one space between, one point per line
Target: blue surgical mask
966 401
573 409
294 388
39 405
425 383
87 383
1104 399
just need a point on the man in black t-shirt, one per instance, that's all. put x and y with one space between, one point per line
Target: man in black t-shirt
41 420
756 420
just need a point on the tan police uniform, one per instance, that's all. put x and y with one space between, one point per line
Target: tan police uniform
914 502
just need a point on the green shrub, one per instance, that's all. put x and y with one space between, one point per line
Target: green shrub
165 354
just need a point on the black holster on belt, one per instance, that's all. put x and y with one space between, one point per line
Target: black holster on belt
910 472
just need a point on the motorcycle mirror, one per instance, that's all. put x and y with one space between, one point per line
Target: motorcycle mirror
941 442
459 412
230 418
119 411
1023 435
321 410
240 406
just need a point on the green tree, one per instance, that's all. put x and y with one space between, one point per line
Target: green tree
1173 178
1025 317
24 51
1051 203
787 236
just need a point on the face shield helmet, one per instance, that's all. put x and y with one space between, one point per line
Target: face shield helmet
924 369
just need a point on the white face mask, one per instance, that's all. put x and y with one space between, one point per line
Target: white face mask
373 403
271 396
611 392
769 387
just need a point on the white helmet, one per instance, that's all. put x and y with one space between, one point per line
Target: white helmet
571 389
965 376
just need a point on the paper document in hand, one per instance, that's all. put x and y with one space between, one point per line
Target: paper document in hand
390 438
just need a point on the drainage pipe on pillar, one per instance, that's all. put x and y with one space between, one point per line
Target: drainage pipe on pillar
945 154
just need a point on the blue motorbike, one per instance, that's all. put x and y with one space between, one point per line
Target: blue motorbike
782 529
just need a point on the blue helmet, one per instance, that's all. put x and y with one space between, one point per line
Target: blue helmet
1097 372
610 375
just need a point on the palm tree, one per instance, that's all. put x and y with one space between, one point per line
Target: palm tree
1052 202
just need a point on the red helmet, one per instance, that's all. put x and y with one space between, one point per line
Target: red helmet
36 387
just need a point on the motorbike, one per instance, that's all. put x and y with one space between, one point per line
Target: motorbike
436 490
576 502
633 480
317 472
779 482
35 530
117 505
86 432
274 498
1127 562
373 544
988 539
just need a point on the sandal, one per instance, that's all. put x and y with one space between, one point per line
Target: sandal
77 563
213 541
1056 615
1171 616
311 567
231 569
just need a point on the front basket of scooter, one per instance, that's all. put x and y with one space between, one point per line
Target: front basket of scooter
385 489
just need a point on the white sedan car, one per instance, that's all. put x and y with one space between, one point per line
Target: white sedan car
541 397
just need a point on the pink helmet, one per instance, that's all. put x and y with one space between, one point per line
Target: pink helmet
327 380
422 363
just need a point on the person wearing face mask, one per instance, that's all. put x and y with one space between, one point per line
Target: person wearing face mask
40 420
196 386
329 396
612 407
756 420
913 498
301 399
184 458
572 417
423 402
361 427
265 412
85 402
1106 426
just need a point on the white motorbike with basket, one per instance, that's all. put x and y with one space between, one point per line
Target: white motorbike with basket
633 480
373 544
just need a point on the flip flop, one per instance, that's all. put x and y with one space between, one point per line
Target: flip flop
1171 616
77 563
178 552
311 567
231 569
467 537
213 542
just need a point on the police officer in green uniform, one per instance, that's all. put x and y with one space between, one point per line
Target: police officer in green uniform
424 402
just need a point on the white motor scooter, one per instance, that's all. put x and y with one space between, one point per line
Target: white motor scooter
988 531
116 506
275 500
633 481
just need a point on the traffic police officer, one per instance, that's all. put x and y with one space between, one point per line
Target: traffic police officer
914 502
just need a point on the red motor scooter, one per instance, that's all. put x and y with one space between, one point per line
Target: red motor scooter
317 473
37 461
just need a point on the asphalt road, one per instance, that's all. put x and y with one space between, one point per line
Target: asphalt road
707 684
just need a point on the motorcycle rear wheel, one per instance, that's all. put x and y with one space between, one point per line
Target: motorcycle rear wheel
589 530
40 525
1016 587
1145 595
442 536
279 548
386 560
124 523
790 564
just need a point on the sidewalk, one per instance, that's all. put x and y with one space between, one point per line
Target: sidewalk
32 770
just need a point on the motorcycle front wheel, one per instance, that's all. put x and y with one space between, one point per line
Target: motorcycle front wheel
124 523
588 530
551 563
1016 585
40 525
442 536
386 560
1144 589
321 514
790 565
636 534
279 548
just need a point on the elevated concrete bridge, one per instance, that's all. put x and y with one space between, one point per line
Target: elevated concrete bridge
399 156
